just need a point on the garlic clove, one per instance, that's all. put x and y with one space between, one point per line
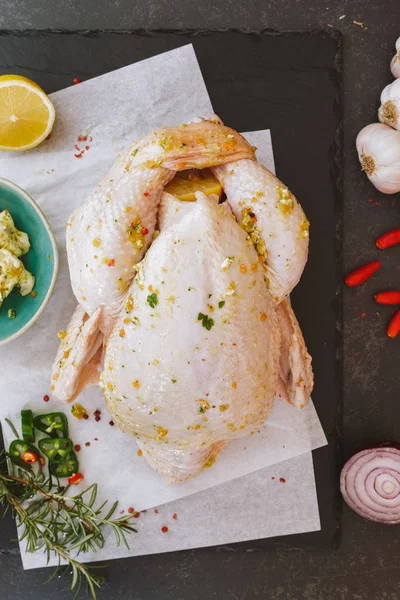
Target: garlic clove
389 111
395 64
378 147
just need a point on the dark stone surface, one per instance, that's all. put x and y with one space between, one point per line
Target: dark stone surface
366 563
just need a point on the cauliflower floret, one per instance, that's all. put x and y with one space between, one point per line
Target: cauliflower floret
13 273
11 238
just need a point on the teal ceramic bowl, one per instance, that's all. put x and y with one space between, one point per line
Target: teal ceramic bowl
41 261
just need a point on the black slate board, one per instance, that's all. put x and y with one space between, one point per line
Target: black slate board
288 82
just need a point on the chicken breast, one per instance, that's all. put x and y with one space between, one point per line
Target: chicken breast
193 359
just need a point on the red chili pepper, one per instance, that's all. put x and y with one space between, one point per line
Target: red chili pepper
282 479
29 457
77 448
46 398
175 516
147 194
394 326
77 80
131 510
391 297
363 273
111 263
75 479
388 239
145 231
164 529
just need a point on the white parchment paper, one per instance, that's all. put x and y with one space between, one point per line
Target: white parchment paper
111 111
256 506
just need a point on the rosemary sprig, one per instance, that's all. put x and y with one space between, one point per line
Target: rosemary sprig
60 524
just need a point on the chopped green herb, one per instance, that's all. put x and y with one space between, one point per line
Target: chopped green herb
209 295
11 313
206 322
221 304
152 300
173 380
136 150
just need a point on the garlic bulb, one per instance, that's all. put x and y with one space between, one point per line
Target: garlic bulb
395 64
389 111
378 148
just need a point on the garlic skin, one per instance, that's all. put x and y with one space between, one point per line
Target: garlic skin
395 64
389 110
378 148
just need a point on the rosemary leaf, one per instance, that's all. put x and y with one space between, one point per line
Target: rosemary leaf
11 426
111 511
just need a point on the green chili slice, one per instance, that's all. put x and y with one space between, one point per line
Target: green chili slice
28 431
67 467
56 449
54 424
25 455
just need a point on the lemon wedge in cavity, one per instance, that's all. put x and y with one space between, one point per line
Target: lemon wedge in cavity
186 183
26 114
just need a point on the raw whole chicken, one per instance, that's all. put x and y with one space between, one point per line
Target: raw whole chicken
187 328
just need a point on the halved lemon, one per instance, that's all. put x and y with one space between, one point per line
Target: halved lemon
186 183
26 114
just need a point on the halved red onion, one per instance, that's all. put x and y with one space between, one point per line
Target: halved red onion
370 484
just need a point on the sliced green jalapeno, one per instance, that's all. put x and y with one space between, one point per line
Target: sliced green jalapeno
25 455
67 467
54 424
56 449
28 431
